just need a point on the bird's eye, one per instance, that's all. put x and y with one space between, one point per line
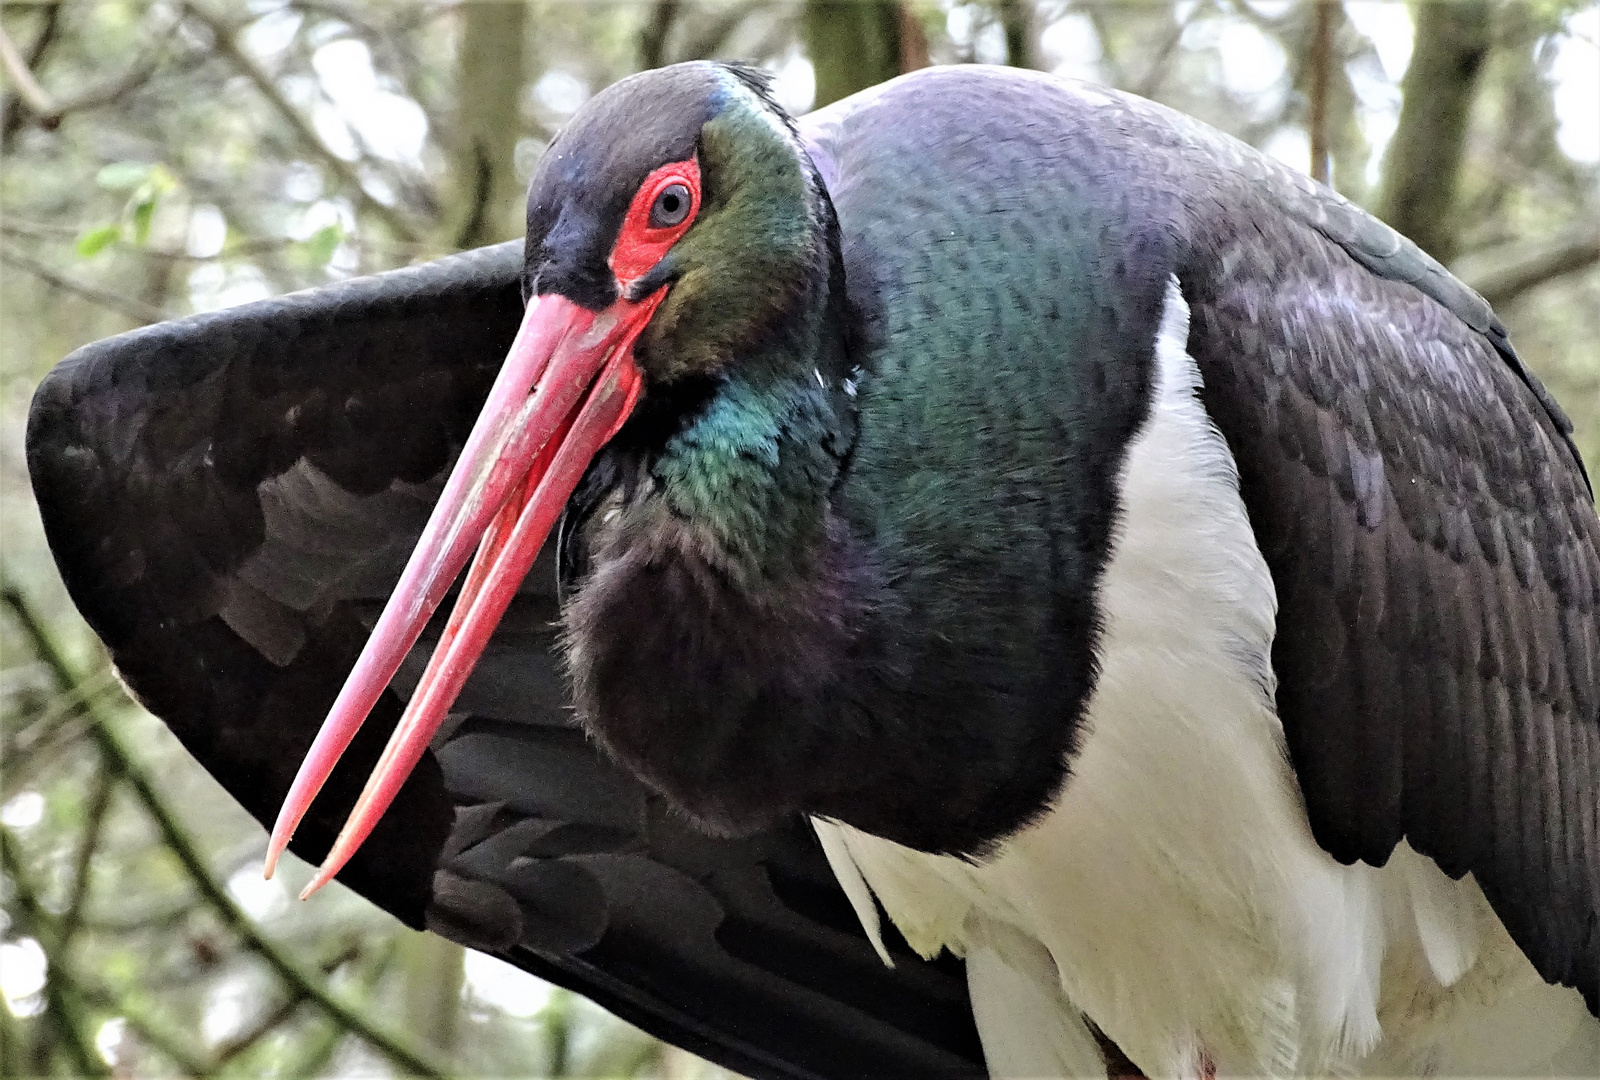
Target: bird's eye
670 208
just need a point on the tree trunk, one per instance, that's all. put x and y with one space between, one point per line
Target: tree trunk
853 44
1423 164
489 72
653 35
1016 19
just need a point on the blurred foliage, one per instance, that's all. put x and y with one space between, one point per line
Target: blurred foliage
171 157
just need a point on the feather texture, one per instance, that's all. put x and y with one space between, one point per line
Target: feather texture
1175 884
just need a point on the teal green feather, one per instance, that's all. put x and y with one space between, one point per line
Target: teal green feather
753 471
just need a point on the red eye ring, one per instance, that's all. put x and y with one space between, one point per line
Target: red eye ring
641 245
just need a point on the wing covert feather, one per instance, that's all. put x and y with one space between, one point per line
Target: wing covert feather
1436 553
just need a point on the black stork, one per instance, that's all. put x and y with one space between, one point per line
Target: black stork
1153 580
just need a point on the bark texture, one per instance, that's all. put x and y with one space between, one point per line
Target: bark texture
853 44
489 70
1423 165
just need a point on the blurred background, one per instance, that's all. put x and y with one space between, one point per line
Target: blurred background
162 158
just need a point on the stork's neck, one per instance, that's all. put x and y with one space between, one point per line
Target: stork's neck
750 478
716 622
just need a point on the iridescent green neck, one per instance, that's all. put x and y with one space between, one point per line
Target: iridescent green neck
751 473
751 476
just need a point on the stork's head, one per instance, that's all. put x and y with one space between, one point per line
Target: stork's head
684 187
671 225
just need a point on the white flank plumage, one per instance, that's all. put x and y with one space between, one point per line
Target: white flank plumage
1175 894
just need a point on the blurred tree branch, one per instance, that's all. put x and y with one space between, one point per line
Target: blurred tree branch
73 983
1161 62
141 313
11 115
226 43
61 990
277 1017
433 973
27 87
83 863
1422 167
49 112
1328 13
714 35
64 234
653 35
320 1050
1504 273
1518 80
75 989
126 770
152 1031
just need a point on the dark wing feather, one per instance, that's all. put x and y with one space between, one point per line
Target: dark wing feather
230 497
1435 547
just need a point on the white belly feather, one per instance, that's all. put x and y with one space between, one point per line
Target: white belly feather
1175 894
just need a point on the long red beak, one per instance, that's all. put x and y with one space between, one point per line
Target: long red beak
522 461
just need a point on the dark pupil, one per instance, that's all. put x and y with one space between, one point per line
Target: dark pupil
671 207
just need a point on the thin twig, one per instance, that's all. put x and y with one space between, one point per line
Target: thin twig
42 724
83 863
62 234
1321 68
1160 64
127 306
60 990
63 731
275 1019
50 112
112 91
260 1030
28 88
134 924
63 971
11 114
182 846
152 1031
314 1061
227 44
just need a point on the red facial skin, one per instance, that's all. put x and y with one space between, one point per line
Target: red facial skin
567 385
639 246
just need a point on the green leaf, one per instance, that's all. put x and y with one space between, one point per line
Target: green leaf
141 209
98 239
122 175
320 245
139 217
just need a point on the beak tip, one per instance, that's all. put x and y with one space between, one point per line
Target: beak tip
276 845
316 884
